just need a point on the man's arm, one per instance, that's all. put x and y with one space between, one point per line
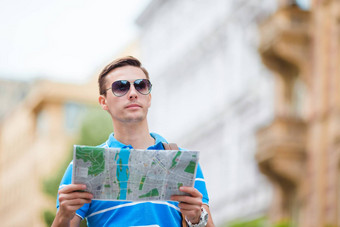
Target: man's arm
71 198
75 222
210 221
191 205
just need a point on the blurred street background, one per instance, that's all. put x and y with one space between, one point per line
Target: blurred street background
252 84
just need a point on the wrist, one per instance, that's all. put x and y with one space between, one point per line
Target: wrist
197 219
202 219
61 220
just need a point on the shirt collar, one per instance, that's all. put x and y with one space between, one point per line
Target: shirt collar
113 142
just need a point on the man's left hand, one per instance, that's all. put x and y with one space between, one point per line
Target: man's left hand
191 204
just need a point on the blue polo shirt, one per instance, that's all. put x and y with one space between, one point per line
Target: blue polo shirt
129 213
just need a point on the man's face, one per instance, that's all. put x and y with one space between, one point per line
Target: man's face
131 107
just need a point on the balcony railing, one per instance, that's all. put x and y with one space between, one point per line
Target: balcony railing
282 148
286 36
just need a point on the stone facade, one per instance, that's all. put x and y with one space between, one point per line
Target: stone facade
211 93
299 151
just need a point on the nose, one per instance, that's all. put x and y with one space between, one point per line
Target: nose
132 94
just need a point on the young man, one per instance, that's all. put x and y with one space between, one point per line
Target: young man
125 94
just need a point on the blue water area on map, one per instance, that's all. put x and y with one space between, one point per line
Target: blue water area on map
123 172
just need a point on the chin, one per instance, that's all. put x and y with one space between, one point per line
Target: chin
135 119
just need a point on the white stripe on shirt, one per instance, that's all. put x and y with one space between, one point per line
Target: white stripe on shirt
80 216
105 145
200 179
132 204
145 226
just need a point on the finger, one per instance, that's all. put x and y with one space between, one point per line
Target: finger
75 202
75 195
70 207
73 208
191 190
189 207
72 187
187 199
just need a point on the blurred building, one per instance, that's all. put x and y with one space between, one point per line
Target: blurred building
300 150
12 93
39 122
212 93
35 134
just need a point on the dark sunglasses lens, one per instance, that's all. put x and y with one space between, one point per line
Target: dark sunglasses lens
143 86
120 87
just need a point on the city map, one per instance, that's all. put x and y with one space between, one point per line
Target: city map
133 175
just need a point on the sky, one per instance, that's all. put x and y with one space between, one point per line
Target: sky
63 40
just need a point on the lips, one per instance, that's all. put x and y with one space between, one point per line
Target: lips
133 106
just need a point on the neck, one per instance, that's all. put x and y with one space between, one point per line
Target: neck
135 134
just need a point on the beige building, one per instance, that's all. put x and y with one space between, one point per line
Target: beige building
300 150
12 93
37 130
34 139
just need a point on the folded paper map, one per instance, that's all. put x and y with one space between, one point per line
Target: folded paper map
133 175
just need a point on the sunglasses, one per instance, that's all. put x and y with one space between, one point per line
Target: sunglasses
121 87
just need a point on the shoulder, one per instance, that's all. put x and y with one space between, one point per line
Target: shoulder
159 141
109 140
158 138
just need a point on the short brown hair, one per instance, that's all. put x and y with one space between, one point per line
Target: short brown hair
119 62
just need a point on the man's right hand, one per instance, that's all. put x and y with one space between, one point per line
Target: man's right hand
71 198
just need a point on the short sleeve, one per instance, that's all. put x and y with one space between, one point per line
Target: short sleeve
200 185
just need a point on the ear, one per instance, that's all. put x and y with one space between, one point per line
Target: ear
102 102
